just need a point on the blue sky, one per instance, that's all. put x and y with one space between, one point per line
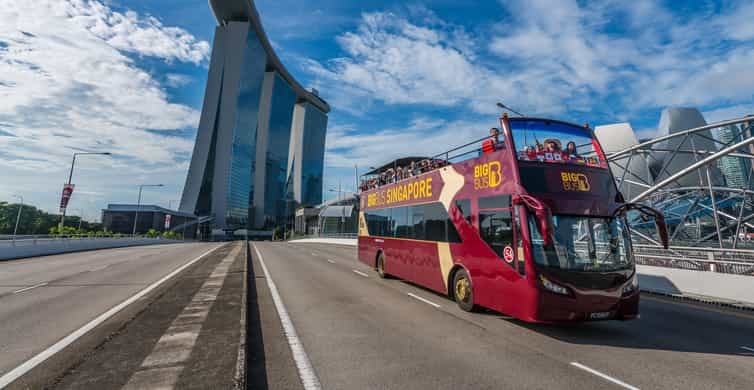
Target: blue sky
402 78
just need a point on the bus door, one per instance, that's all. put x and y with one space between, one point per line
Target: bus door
498 228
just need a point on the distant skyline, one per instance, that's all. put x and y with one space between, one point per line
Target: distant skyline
402 78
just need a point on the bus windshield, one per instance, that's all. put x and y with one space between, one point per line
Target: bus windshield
592 244
555 142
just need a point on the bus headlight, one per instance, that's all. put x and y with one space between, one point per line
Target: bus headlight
631 287
554 287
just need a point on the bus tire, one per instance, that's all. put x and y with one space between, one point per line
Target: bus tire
380 266
463 291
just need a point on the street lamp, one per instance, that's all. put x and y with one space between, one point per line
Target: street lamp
81 217
70 176
18 216
138 203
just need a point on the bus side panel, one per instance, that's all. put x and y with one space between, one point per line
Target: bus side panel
367 250
497 286
396 254
426 266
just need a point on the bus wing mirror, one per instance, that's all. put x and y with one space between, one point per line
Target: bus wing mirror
541 211
662 229
659 219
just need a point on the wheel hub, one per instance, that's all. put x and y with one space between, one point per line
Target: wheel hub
462 289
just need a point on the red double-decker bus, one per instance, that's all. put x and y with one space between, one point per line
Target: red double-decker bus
533 227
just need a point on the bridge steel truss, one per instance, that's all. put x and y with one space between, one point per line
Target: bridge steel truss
709 203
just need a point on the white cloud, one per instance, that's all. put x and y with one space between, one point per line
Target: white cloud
400 62
176 80
66 85
547 57
130 32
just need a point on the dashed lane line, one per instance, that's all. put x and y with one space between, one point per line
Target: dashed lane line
30 288
603 376
162 367
25 367
99 268
423 300
305 370
331 261
357 272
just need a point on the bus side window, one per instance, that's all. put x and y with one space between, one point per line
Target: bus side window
464 206
496 224
418 223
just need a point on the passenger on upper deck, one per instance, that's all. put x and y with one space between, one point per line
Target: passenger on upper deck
493 143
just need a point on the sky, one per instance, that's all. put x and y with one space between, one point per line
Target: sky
402 77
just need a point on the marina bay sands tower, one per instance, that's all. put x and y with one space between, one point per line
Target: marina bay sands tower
259 148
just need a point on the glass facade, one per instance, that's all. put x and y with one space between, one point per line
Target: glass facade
243 154
234 158
313 155
278 141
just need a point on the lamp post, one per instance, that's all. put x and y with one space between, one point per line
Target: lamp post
81 217
342 210
138 203
70 177
18 216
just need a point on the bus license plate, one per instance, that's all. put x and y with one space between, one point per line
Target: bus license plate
599 315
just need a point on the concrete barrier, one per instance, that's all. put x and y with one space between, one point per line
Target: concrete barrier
28 248
673 281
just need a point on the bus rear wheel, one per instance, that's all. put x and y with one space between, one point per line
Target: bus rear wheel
462 291
381 266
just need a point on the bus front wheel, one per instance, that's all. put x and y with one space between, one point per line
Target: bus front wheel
462 291
381 266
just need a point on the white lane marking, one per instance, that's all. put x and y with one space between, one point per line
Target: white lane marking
314 254
30 287
357 272
423 300
331 261
603 376
26 366
99 268
747 349
305 370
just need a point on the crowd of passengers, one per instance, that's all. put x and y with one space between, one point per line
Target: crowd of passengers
418 167
551 152
392 175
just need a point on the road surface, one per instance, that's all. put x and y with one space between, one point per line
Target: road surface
360 331
43 299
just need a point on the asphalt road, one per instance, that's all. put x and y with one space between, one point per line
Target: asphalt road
43 299
362 332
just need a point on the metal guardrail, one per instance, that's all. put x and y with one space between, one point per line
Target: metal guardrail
8 240
728 261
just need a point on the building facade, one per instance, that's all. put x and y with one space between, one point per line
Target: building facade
251 167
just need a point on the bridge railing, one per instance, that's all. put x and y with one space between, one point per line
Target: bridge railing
39 239
728 261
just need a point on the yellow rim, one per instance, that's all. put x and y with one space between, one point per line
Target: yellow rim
462 289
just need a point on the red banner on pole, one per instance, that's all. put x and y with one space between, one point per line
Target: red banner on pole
167 221
67 192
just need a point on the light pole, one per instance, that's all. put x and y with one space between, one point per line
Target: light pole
138 203
70 177
18 216
170 204
81 217
342 210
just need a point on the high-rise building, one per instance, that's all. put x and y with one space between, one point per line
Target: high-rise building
736 170
260 144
